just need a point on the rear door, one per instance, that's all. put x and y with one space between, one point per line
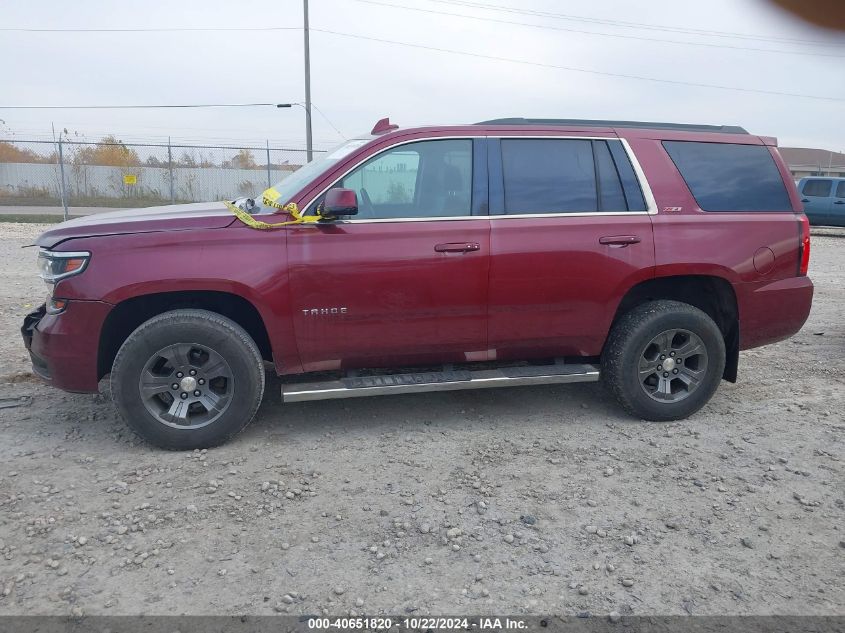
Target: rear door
570 233
837 207
405 281
815 195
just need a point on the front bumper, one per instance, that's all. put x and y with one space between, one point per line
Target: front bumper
64 347
30 321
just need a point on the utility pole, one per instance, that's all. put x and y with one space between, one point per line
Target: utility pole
309 152
269 181
170 169
61 158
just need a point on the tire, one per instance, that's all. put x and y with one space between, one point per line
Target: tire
188 379
636 360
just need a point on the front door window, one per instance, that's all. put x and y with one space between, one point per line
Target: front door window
415 180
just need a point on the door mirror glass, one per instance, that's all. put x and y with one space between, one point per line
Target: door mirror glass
339 202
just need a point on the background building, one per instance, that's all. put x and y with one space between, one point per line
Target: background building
805 161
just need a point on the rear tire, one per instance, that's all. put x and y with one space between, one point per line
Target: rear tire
663 360
188 379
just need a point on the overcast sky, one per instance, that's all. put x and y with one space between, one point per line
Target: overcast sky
356 81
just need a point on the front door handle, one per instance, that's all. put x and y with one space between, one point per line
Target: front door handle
620 240
457 247
804 200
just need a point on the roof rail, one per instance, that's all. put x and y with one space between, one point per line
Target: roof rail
686 127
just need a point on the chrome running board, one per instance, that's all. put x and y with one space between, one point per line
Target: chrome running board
448 380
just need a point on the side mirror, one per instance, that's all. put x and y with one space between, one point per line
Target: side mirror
339 202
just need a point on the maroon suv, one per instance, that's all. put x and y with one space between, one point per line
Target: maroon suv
510 252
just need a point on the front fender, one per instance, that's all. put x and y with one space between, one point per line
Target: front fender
237 260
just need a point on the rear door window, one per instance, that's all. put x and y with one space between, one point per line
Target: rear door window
630 185
840 189
544 176
817 188
548 176
730 176
611 196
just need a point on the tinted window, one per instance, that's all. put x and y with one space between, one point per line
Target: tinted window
611 196
817 188
630 184
548 176
425 179
730 177
840 190
567 176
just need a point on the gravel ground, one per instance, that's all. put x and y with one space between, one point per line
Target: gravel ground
523 501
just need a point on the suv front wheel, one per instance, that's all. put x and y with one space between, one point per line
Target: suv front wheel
188 379
664 360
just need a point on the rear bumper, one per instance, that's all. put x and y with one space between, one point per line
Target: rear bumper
773 311
64 347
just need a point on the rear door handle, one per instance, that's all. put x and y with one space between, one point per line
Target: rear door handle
457 247
839 202
804 200
619 240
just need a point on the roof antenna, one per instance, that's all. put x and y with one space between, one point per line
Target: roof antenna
383 126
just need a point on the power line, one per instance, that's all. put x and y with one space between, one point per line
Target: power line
579 70
639 25
334 127
121 107
151 30
453 52
180 145
615 35
322 114
460 3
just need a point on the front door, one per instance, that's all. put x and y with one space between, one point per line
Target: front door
405 281
816 198
570 231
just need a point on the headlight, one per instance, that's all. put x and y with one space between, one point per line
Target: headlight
55 266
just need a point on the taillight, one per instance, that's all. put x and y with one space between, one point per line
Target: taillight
804 246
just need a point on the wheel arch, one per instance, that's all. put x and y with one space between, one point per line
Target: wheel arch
713 295
127 315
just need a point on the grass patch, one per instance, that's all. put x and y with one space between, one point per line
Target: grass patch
34 218
86 201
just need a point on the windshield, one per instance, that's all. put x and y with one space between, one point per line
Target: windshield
305 174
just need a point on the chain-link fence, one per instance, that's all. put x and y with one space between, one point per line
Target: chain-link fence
110 173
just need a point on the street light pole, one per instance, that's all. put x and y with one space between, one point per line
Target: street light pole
309 151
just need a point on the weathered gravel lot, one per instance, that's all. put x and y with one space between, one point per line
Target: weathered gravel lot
533 500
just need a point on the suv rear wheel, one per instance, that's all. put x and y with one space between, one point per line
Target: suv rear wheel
664 360
188 379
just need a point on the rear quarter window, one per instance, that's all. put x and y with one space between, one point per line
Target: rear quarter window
730 176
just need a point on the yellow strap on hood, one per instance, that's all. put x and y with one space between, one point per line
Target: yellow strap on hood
270 197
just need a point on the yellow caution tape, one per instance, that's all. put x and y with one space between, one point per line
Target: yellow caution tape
271 198
290 207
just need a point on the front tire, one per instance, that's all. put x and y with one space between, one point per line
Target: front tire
188 379
664 360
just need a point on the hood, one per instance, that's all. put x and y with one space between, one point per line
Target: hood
175 217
